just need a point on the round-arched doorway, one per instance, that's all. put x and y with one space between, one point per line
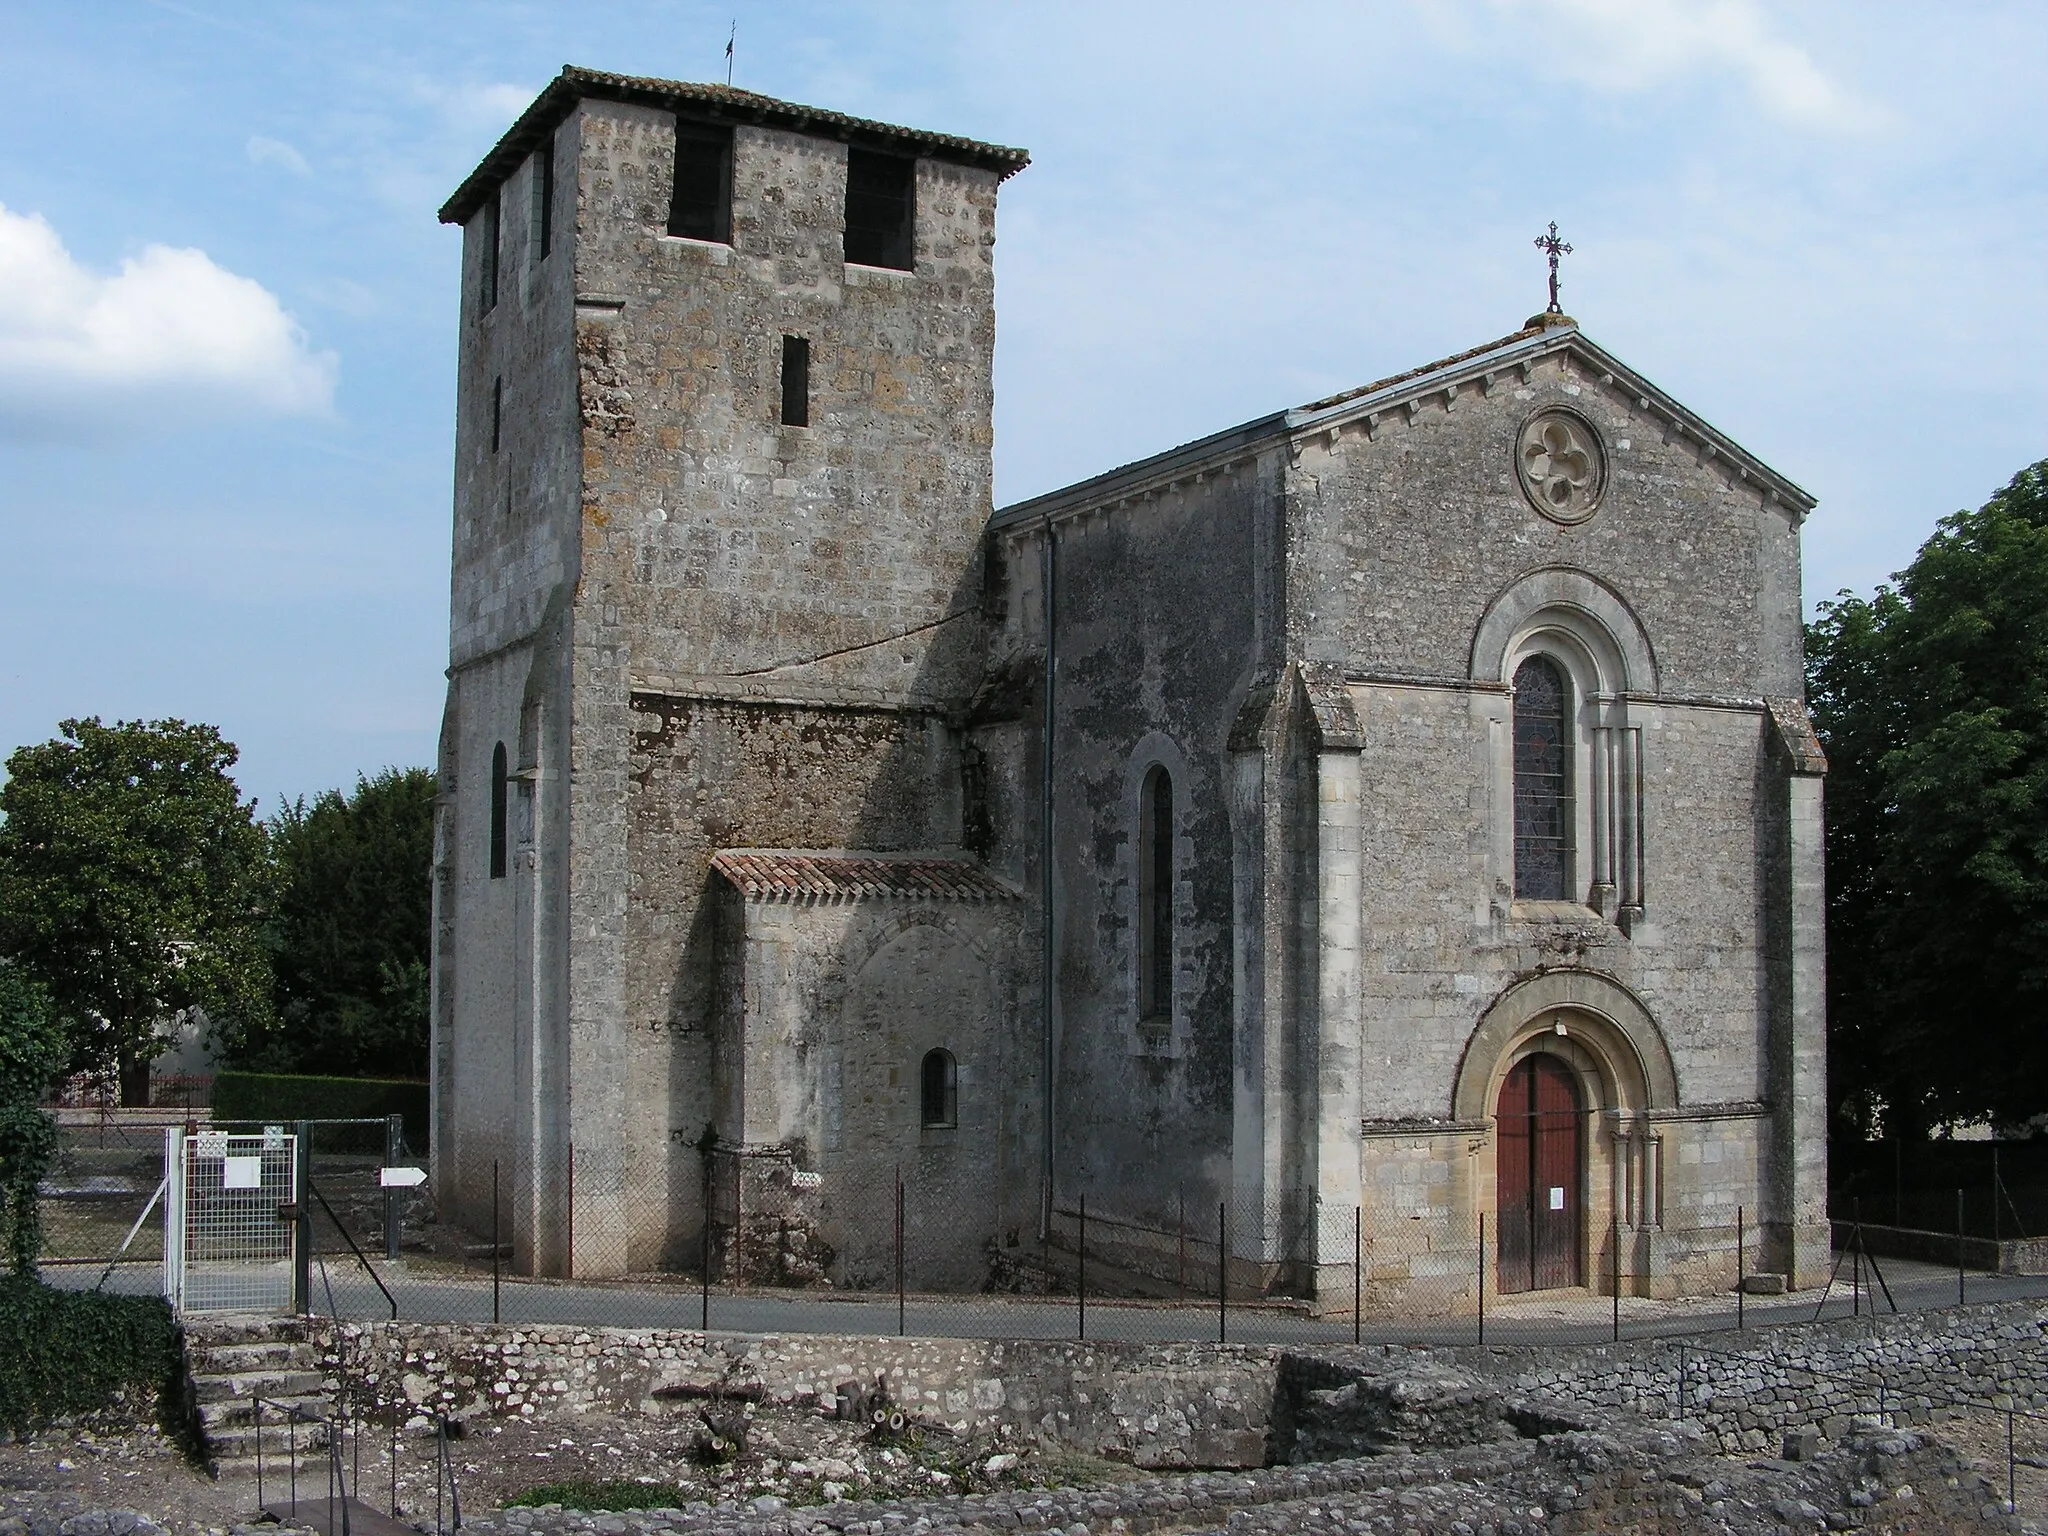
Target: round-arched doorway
1540 1143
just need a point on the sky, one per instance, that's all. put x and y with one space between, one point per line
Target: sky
227 313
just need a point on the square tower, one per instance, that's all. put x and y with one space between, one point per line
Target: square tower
722 470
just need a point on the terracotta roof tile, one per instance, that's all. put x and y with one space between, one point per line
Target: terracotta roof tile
784 874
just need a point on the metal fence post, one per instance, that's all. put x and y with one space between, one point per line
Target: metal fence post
1961 1295
1357 1268
1482 1277
496 1245
1739 1278
899 1254
1222 1271
1081 1276
2011 1476
394 1149
704 1244
302 1238
1997 1186
1615 1218
569 1223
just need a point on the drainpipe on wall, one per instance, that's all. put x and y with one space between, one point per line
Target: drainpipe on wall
1049 575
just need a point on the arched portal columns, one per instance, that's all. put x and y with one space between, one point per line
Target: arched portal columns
1607 1039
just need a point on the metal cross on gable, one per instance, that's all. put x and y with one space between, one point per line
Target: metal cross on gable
1553 247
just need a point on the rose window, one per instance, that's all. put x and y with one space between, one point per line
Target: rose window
1560 464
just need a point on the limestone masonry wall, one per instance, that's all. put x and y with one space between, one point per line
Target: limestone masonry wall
1214 1405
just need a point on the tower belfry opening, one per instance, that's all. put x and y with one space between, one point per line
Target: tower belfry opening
1220 830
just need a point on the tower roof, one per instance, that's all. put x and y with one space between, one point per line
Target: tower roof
705 103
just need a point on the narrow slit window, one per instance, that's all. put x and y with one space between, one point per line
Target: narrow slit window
1155 899
500 809
939 1091
796 381
700 203
490 268
1543 782
881 208
497 412
543 201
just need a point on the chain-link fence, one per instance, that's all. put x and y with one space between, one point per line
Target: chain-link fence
107 1177
1988 1190
748 1241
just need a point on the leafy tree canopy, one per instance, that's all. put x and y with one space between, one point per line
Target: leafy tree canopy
1931 698
350 931
133 878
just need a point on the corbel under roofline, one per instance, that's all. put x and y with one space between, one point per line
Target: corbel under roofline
1605 369
1299 427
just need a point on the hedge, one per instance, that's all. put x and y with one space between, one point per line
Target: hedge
70 1353
274 1098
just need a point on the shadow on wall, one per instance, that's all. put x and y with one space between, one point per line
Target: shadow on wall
802 1026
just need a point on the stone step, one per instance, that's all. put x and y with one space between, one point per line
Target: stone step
295 1383
237 1442
209 1358
240 1467
230 1412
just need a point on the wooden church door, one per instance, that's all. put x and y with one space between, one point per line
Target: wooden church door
1541 1152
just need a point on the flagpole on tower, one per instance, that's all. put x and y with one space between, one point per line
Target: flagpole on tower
731 37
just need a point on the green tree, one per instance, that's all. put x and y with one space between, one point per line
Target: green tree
35 1049
133 878
1931 698
350 930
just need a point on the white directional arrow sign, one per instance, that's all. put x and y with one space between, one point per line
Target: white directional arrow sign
402 1178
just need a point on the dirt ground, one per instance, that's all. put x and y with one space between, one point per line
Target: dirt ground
1980 1435
802 1456
137 1469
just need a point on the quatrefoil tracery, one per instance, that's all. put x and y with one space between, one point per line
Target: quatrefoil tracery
1561 467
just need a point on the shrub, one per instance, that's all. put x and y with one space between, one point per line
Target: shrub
70 1353
602 1496
274 1099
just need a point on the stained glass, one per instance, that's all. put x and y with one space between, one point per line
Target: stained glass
1543 783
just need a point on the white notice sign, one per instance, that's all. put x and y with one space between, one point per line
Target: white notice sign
1557 1197
242 1173
402 1178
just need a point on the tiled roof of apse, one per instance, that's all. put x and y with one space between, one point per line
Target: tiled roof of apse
705 103
786 874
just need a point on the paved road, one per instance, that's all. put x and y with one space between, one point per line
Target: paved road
1547 1317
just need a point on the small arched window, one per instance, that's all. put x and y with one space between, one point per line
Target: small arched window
499 810
1543 782
939 1090
1155 897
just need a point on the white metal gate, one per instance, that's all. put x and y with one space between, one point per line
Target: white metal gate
227 1244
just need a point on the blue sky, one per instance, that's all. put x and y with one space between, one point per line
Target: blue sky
227 313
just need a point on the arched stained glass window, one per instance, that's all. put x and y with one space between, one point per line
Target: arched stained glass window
1155 897
499 811
1543 782
939 1090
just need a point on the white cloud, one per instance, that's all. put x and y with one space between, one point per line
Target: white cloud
276 152
1636 45
169 339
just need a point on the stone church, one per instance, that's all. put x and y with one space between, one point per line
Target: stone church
1395 814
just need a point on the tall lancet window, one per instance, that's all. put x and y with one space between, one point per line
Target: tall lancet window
1155 898
500 811
1543 782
